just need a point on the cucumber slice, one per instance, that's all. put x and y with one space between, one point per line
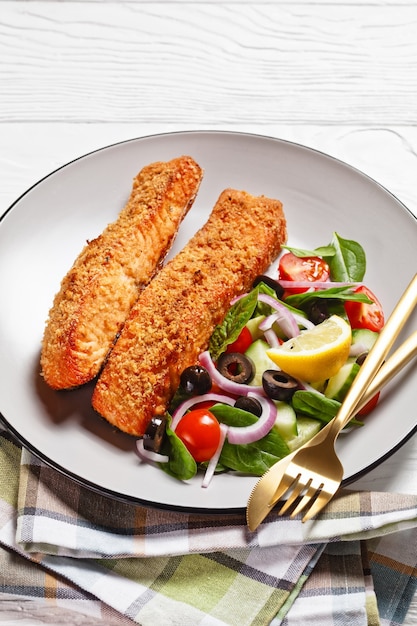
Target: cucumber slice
364 337
340 383
286 421
257 353
307 428
253 326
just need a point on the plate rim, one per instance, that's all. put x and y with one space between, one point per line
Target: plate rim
206 132
134 500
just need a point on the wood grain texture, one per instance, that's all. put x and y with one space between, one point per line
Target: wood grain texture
379 3
169 63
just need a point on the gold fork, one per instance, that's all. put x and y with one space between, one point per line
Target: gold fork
313 474
263 496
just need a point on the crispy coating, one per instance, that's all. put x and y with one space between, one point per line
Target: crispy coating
174 317
99 290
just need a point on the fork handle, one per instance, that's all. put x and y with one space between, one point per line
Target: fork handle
376 356
390 368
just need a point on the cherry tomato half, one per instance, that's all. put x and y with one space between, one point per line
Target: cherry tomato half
362 315
199 431
242 343
369 406
294 268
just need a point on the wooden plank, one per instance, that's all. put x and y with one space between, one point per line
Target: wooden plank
379 3
276 63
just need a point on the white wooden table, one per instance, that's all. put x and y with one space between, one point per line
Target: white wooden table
336 75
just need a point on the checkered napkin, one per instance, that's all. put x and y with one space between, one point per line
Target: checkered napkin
112 563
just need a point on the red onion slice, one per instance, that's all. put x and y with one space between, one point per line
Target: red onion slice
316 284
229 386
357 348
211 467
270 320
257 430
271 338
303 321
190 402
148 455
284 317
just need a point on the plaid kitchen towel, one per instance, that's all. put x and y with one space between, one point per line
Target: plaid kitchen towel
165 568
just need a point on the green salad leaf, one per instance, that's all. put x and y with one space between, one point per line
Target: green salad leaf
346 258
252 458
299 300
236 318
247 459
261 307
317 405
181 464
348 263
323 251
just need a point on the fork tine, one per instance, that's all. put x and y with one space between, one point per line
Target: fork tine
286 483
308 498
297 490
318 504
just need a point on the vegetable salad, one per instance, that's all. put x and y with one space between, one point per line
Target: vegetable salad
237 410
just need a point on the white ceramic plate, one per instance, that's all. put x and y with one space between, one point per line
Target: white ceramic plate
44 230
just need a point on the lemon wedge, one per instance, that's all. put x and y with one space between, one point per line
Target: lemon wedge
315 354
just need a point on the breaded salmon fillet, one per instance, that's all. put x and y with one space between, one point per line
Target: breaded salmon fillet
99 290
174 317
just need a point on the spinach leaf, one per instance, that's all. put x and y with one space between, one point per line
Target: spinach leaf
315 405
181 464
253 458
323 251
346 258
236 318
265 309
261 307
318 406
247 459
299 300
179 397
348 263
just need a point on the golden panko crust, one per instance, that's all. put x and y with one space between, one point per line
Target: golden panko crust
99 290
174 317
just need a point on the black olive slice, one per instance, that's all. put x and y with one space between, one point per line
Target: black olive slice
251 405
236 367
154 435
361 358
318 311
195 379
263 278
279 385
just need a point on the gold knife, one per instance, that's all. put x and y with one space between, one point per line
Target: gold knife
262 498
